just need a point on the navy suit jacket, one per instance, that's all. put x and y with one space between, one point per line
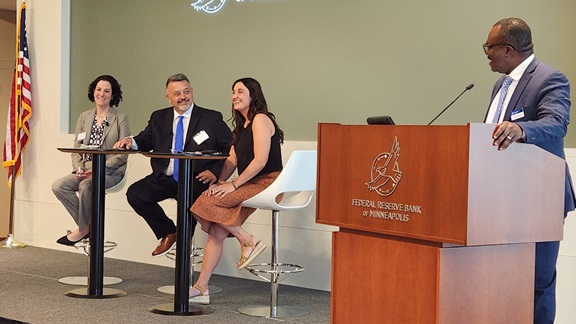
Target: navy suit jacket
543 94
157 137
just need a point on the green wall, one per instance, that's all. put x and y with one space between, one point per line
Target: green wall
318 60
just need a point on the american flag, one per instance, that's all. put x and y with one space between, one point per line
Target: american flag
20 106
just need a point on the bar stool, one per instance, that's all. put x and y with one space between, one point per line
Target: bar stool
296 185
197 252
84 245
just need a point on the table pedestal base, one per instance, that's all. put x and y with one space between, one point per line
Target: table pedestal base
168 309
106 293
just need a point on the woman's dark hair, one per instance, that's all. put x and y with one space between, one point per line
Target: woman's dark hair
257 106
116 91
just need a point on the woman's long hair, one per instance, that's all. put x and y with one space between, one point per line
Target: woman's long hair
257 106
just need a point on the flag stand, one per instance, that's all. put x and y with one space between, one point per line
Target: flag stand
10 242
17 122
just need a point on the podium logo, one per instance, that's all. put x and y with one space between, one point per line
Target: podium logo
385 171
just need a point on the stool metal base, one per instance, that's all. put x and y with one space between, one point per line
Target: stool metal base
270 312
170 289
168 309
83 281
166 289
106 293
275 269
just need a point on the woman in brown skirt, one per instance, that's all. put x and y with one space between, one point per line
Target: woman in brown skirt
256 153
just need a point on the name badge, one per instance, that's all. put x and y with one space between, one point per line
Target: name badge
517 114
200 137
81 136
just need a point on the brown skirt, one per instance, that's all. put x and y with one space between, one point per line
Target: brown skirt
228 210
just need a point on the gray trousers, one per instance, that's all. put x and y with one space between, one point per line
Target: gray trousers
79 206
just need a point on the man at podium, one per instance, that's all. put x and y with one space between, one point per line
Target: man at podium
530 103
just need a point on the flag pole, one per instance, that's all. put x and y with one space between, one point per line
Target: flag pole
10 242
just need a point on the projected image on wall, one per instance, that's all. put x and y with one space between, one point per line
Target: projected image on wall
210 6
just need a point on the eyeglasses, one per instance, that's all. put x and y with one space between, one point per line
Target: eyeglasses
487 46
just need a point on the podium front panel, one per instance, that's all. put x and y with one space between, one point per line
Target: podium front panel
445 184
398 180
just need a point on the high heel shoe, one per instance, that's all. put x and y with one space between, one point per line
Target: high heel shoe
65 241
202 298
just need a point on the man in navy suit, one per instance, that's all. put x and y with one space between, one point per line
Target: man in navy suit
202 129
535 101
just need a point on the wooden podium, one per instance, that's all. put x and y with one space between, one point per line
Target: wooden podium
436 224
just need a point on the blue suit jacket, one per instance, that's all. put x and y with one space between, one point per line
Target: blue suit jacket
543 94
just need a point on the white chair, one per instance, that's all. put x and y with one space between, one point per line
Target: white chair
120 185
296 185
84 245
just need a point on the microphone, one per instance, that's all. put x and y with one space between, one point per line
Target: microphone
106 124
468 87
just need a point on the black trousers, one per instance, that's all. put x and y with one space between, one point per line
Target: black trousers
144 196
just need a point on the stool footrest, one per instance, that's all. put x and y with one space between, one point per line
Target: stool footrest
83 281
84 246
196 253
275 269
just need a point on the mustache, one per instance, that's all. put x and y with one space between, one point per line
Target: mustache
186 100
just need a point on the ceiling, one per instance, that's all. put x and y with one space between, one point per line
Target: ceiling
8 5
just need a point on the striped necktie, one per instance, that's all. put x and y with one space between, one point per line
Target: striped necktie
507 81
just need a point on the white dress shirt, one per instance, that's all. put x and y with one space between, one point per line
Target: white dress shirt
186 120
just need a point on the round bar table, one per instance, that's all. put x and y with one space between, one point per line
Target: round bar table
96 274
181 306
